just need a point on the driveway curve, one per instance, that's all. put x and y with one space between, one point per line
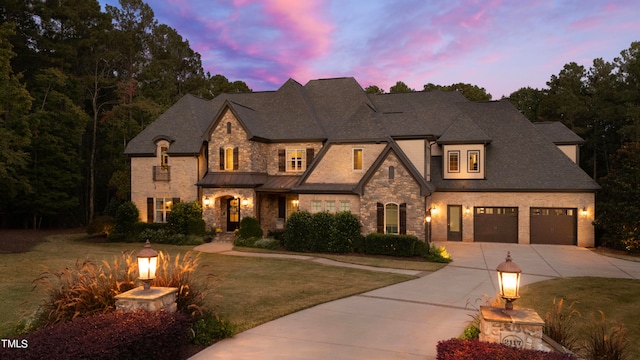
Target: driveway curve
406 320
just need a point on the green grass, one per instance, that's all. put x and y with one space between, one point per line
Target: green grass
618 299
246 291
379 261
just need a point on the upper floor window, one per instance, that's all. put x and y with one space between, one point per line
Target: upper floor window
229 158
392 173
296 160
357 159
474 160
454 161
229 128
164 158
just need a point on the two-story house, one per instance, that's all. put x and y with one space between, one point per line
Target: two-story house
430 164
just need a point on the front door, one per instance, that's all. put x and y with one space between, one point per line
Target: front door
454 222
233 214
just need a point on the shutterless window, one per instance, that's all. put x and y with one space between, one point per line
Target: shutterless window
296 160
454 161
330 206
474 160
344 205
357 159
316 206
164 158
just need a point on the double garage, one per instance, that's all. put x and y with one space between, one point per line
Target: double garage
556 226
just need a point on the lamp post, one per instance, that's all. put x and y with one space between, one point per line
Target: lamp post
147 263
509 283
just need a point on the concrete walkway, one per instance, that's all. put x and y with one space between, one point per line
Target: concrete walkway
406 320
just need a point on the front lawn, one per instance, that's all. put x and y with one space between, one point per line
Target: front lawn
618 299
245 291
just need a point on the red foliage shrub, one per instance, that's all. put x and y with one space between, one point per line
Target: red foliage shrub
456 349
116 335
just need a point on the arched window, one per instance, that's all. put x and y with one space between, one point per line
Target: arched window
391 219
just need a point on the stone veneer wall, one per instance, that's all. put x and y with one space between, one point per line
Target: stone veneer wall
215 216
402 189
522 200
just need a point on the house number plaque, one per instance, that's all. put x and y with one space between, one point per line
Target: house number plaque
512 339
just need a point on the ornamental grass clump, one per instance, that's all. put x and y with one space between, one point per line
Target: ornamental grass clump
88 288
604 341
560 324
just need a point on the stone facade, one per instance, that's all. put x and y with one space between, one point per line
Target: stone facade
403 188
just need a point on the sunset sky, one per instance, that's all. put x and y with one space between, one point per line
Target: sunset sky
500 45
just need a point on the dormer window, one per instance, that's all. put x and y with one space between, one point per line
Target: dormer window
474 160
164 158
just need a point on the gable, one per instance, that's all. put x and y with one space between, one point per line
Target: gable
335 163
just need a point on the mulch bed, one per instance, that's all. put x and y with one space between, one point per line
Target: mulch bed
18 241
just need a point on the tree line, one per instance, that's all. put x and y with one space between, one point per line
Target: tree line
77 83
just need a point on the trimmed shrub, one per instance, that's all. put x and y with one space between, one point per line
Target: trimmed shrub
185 218
125 225
346 233
244 242
321 231
267 243
208 328
456 349
249 228
116 335
388 244
102 225
298 232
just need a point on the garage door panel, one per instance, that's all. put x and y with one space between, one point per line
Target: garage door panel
493 224
557 226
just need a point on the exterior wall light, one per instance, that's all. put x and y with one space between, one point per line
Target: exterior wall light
583 212
147 264
296 202
245 202
206 201
428 217
509 283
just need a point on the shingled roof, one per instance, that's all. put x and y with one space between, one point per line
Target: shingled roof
520 155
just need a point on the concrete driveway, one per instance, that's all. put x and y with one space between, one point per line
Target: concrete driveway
406 321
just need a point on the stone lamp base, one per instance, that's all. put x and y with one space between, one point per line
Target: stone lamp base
156 298
522 330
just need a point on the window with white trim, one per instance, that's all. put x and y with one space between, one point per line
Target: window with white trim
163 207
454 161
316 206
473 160
345 206
296 160
330 206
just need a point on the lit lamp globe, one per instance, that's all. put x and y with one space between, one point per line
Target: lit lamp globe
147 264
509 283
